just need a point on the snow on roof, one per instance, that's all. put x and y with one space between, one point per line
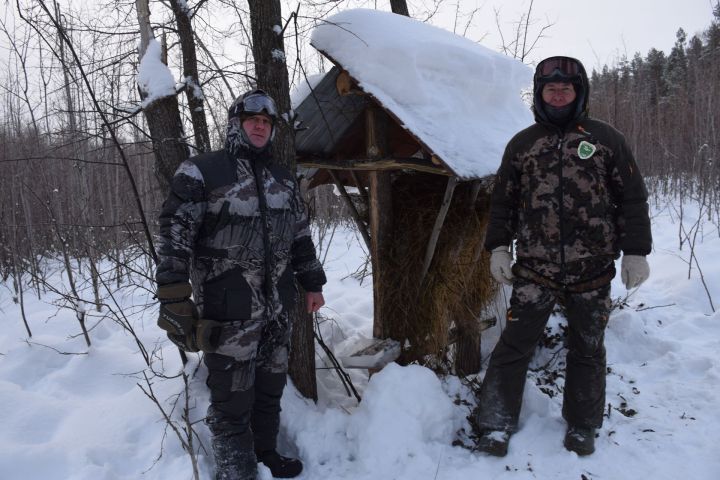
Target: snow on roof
462 100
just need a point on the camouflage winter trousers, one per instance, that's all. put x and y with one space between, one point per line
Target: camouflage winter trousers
531 304
245 393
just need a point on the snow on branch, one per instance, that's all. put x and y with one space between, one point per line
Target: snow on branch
154 77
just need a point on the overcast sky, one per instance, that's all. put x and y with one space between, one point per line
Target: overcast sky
596 32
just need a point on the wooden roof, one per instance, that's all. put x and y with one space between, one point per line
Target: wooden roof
326 116
337 132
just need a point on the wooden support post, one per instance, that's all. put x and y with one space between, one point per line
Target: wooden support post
476 187
380 227
381 220
467 338
432 243
467 351
353 211
361 188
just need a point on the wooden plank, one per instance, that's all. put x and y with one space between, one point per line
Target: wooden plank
353 211
432 243
360 187
366 164
381 218
374 356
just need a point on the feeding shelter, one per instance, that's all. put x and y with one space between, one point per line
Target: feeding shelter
416 118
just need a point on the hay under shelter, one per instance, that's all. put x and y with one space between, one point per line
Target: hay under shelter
448 304
431 282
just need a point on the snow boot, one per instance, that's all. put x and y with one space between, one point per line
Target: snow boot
234 458
580 440
493 442
281 467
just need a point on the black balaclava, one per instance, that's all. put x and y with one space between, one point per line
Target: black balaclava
562 116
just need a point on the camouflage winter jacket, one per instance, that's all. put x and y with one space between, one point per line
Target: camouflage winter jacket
569 195
240 247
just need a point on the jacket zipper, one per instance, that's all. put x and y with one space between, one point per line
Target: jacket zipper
561 138
267 251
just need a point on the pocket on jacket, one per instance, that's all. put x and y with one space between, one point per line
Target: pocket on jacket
227 299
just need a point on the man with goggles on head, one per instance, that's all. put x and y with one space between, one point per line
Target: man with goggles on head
569 194
234 236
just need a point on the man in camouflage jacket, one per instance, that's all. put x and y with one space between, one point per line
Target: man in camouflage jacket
570 195
234 226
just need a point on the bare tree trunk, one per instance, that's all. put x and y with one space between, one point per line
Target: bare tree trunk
72 123
29 235
400 7
16 268
272 76
271 72
190 72
163 117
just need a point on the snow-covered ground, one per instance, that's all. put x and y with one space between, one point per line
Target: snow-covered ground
69 412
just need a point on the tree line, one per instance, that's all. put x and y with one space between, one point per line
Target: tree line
668 107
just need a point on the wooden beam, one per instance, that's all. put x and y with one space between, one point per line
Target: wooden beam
366 164
432 243
353 211
345 84
363 191
475 192
381 217
381 222
361 188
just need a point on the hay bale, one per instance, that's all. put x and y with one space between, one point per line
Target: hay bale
457 287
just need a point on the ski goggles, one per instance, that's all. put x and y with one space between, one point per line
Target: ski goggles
258 102
562 66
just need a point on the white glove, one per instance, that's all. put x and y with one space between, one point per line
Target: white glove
500 263
634 270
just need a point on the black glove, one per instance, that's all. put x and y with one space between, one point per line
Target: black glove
179 318
178 315
207 335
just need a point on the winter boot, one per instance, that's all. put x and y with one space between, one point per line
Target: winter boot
281 467
234 458
580 440
493 442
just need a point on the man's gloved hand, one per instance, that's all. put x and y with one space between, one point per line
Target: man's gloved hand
634 270
178 315
500 265
207 335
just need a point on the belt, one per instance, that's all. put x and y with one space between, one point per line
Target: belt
578 287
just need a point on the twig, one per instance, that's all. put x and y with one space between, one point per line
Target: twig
656 306
344 377
55 349
187 443
696 228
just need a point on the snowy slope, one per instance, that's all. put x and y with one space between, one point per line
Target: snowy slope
82 416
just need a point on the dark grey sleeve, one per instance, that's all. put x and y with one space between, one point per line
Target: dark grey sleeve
308 270
180 220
